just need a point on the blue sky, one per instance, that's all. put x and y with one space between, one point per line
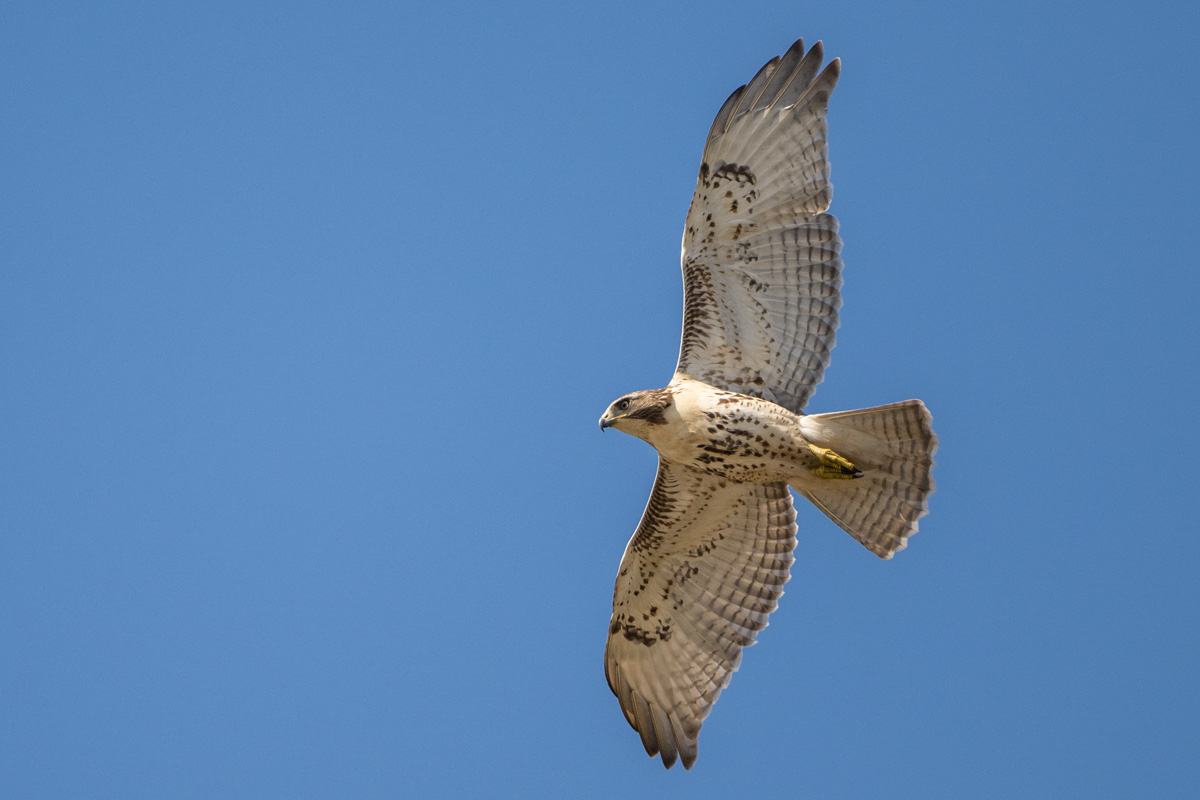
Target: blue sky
308 311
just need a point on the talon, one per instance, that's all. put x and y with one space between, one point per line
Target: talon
833 465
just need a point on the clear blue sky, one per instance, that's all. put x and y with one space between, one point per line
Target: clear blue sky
308 311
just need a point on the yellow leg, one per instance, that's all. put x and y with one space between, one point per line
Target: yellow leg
832 465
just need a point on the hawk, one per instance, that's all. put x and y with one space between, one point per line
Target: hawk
761 278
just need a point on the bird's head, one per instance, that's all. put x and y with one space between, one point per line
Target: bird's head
638 412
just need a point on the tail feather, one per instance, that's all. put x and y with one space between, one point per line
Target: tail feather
893 445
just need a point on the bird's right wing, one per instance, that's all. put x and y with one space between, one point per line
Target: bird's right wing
761 261
705 567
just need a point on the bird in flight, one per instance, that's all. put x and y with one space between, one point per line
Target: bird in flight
761 279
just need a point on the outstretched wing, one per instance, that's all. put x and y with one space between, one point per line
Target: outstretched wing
761 262
705 567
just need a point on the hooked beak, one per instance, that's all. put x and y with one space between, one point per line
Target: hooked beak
606 423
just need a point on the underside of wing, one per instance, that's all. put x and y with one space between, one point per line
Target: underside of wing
701 574
761 261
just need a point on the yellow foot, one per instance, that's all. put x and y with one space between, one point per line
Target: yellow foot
833 466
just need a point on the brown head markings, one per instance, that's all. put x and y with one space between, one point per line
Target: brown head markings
649 406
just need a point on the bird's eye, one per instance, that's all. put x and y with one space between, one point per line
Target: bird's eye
622 404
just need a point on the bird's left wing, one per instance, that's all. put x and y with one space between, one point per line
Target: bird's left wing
761 261
705 567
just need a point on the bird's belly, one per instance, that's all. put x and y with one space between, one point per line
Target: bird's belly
743 449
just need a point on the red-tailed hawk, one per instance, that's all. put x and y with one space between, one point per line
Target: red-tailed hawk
761 275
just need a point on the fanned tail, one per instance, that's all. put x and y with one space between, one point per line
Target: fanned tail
893 445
